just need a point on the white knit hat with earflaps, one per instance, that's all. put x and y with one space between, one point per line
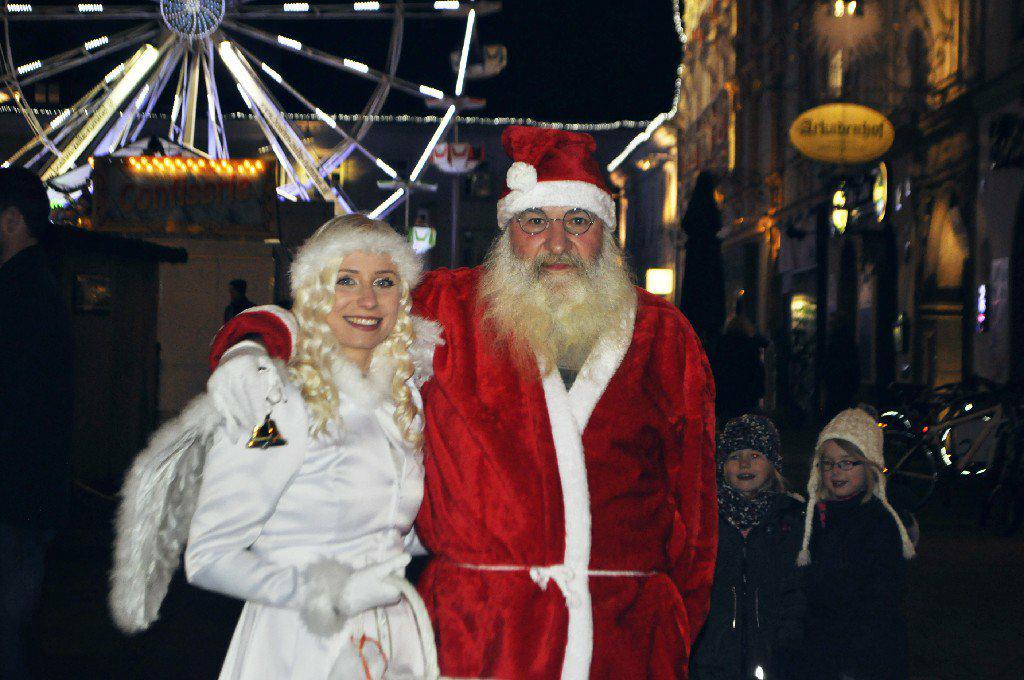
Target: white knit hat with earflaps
860 429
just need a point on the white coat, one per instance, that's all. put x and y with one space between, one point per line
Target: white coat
264 515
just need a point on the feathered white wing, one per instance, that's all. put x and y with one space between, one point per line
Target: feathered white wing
158 500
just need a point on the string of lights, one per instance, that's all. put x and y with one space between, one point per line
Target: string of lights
497 121
651 126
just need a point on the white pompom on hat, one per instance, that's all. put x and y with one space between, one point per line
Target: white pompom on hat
859 428
338 237
552 168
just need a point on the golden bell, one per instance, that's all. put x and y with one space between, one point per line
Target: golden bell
265 435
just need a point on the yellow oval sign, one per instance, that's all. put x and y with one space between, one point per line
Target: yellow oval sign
842 133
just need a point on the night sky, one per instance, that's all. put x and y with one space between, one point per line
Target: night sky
569 60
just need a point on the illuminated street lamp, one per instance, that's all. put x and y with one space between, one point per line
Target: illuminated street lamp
840 214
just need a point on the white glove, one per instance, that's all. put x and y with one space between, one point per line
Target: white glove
336 592
246 385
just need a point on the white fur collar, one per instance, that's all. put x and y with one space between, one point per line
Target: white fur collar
374 388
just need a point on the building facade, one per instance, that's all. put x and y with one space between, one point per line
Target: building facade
918 281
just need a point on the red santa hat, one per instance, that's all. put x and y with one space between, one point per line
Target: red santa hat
552 167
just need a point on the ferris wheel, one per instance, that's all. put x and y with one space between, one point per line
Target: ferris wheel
176 44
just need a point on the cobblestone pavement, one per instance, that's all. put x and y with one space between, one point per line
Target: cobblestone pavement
965 604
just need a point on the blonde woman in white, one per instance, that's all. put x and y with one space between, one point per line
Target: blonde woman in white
308 517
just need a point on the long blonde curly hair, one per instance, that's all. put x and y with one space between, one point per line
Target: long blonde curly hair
318 355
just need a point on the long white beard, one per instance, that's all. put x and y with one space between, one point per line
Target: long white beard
554 319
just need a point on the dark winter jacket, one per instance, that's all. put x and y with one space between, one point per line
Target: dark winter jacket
854 586
36 386
757 606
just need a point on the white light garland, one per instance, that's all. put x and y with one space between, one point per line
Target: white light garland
671 113
494 121
96 42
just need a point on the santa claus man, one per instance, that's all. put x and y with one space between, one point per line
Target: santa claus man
569 501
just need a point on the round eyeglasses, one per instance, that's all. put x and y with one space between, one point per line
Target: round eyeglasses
534 221
844 465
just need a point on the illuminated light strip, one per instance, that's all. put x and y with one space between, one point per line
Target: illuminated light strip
356 65
114 74
638 140
388 202
446 4
19 8
270 72
325 117
677 19
59 120
140 65
285 133
495 121
464 59
289 42
431 92
366 6
29 67
97 42
388 170
142 96
295 7
90 7
422 162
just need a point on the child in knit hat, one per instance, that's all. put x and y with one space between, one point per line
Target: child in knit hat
754 627
854 551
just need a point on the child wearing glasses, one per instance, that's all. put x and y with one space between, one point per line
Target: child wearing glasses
854 551
754 627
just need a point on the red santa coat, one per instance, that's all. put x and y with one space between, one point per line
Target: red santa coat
537 500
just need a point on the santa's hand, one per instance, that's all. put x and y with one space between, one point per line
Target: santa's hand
336 592
246 385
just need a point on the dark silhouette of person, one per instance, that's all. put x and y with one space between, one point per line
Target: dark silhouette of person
841 368
738 369
239 302
36 388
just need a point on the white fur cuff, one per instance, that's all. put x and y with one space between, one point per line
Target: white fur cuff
321 608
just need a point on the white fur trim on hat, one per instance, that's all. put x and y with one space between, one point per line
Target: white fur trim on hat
569 193
332 242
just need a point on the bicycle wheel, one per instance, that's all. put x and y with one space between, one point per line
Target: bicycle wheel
911 469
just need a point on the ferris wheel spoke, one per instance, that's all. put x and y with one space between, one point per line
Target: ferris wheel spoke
397 198
278 151
216 136
62 124
119 131
91 50
190 100
94 11
325 167
166 72
136 69
361 10
346 65
244 76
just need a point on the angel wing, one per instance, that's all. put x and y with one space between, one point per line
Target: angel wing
158 500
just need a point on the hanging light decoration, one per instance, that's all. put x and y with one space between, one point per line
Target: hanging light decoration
850 26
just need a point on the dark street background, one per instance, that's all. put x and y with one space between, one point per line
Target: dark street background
964 602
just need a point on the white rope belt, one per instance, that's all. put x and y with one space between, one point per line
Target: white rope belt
561 574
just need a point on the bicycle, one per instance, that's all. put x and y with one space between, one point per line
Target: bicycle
925 440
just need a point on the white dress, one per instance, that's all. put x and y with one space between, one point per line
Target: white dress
263 516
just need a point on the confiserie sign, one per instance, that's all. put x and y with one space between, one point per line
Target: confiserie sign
842 133
173 195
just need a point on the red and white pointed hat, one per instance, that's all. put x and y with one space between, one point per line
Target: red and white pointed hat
552 168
